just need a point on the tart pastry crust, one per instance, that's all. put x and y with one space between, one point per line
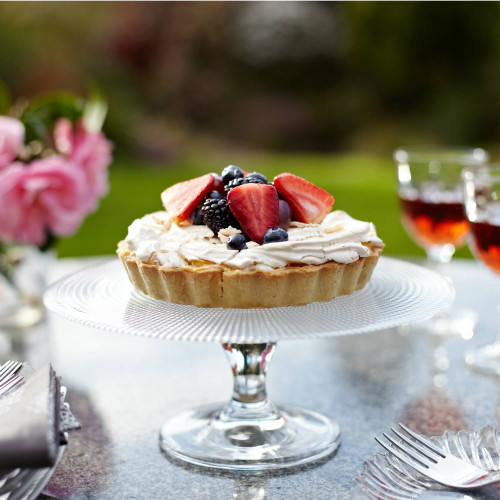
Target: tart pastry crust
214 285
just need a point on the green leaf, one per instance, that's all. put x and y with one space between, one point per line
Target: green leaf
50 107
35 128
41 114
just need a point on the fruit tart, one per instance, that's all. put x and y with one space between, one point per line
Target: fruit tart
238 240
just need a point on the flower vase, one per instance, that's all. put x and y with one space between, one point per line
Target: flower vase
24 275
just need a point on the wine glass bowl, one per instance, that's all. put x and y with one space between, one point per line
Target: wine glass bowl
431 199
481 187
482 206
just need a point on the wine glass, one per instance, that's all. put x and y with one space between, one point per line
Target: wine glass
481 187
431 201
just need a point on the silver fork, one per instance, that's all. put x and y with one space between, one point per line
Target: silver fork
435 463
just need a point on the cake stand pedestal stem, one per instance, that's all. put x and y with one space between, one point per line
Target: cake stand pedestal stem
249 417
249 434
249 365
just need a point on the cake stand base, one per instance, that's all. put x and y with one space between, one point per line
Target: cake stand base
290 437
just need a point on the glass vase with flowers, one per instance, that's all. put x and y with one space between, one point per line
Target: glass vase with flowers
54 161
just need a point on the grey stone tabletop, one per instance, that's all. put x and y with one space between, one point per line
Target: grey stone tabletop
122 388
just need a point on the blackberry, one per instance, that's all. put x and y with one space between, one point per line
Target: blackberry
236 242
274 235
231 172
243 180
217 215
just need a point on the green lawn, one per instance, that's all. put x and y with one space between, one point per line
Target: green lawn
361 185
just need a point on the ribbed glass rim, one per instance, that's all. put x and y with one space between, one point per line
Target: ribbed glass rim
102 296
487 171
447 154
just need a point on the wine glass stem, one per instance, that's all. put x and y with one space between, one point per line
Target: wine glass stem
497 338
439 254
249 364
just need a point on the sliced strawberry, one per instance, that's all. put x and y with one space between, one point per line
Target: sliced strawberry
309 203
182 198
256 208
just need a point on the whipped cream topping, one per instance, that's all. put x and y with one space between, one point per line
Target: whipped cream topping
338 238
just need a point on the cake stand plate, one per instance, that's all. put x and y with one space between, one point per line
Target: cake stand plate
101 296
249 433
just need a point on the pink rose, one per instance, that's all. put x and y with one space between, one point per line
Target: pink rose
11 139
45 195
90 151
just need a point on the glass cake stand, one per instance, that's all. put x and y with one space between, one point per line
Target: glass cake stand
249 433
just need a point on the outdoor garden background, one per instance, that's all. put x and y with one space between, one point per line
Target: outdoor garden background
325 90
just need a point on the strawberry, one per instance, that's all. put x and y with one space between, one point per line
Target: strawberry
255 207
182 198
309 203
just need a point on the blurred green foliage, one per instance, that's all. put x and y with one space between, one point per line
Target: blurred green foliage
326 90
361 185
302 76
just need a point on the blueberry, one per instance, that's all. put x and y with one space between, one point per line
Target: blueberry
197 217
231 172
257 175
285 215
215 195
236 242
274 235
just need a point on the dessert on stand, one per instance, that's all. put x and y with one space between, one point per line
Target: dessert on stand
249 433
237 240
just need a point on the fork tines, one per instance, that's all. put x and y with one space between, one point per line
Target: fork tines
8 377
421 440
427 452
9 368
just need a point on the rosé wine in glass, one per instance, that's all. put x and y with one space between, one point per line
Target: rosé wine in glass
433 215
437 223
485 243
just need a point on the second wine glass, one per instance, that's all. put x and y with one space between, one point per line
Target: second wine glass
482 203
431 201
